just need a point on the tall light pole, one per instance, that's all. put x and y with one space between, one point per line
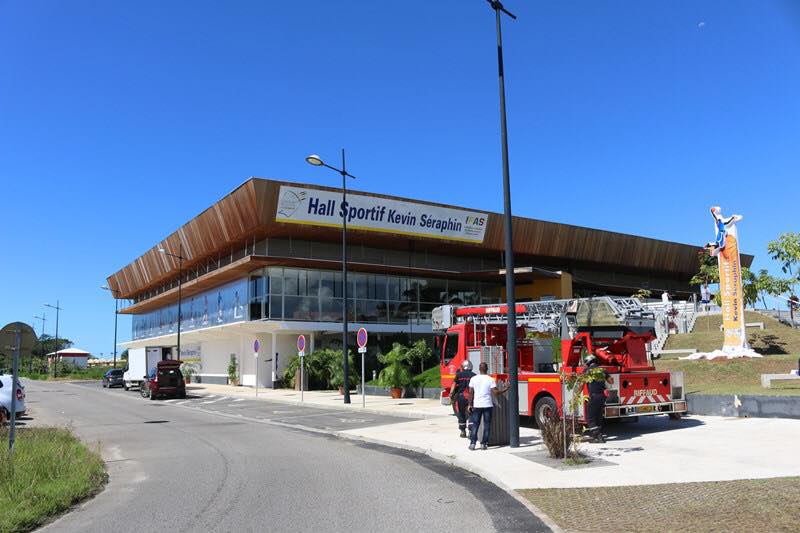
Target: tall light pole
180 258
114 293
55 358
317 162
41 340
511 345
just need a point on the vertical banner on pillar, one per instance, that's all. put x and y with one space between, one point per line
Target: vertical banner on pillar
726 249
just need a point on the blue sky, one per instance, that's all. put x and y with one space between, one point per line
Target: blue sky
120 121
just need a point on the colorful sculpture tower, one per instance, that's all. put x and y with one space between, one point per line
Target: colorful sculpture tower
726 249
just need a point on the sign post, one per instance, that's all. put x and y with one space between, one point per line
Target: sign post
256 346
301 352
361 338
16 337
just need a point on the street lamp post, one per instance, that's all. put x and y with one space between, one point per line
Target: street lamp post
317 162
41 339
114 293
180 258
55 354
511 346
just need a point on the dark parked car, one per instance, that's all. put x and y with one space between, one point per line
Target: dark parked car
113 378
165 379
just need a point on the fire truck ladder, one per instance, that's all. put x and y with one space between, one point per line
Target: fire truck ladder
546 315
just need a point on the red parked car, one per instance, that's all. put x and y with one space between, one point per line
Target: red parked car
165 379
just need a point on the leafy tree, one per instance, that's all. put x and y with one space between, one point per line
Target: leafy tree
770 285
642 294
786 250
708 272
124 355
708 269
419 352
47 344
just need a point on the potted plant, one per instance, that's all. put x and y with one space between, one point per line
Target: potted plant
188 370
337 372
396 373
233 371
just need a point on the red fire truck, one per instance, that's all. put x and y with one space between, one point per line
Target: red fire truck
616 330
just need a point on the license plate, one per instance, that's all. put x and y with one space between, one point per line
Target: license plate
645 409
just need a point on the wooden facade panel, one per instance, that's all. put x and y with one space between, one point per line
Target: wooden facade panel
248 213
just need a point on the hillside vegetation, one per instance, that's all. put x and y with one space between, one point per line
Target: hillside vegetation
775 339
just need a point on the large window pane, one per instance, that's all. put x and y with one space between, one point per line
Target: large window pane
290 281
276 307
331 309
276 281
300 308
326 285
433 290
362 286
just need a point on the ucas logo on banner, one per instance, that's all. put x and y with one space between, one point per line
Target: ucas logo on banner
324 208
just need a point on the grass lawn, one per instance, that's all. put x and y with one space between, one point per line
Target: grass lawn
775 339
95 372
741 505
737 376
51 471
734 376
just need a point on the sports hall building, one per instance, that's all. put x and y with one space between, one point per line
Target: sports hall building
264 262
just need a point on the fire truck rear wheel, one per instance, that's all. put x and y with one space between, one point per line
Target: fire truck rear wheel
674 416
544 409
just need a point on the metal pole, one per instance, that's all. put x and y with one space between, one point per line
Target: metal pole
345 363
256 374
41 341
363 392
180 283
302 368
511 345
14 376
116 315
55 354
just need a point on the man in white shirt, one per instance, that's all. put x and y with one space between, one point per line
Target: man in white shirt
482 388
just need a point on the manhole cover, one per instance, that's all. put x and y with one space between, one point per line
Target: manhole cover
156 421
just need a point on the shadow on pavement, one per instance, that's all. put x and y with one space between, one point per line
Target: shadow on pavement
620 431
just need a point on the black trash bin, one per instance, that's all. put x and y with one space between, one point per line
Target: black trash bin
499 434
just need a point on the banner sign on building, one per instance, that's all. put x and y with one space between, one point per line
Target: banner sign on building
299 205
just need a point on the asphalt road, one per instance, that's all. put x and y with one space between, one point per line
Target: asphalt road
222 464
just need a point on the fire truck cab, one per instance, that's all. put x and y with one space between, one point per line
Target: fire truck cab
553 339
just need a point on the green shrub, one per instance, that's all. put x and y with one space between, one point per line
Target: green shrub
323 369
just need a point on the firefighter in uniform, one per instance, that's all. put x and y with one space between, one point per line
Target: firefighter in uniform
458 392
597 400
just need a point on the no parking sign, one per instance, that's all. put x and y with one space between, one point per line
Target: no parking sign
301 345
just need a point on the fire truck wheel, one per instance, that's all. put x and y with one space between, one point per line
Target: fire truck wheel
544 409
675 416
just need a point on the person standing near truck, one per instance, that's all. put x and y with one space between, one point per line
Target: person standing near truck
482 387
458 395
597 400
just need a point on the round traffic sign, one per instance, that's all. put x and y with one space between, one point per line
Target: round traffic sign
8 338
361 337
301 343
256 346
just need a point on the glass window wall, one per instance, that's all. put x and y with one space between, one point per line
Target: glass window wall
316 295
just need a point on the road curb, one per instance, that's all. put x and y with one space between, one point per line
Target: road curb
458 463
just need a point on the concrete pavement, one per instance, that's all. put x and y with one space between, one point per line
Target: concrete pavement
184 468
654 450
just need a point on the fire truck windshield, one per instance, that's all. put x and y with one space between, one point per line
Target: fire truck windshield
450 347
